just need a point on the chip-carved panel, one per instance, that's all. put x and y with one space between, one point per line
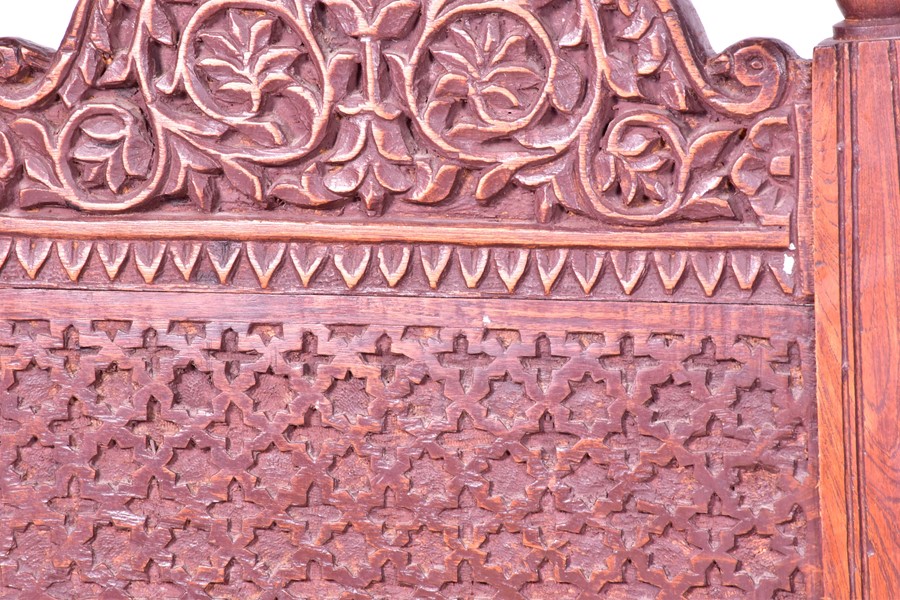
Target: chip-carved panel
408 448
404 269
596 121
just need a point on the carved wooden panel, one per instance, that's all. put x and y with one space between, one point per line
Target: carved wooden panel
597 126
405 298
472 452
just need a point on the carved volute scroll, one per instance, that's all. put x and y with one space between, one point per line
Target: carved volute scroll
597 123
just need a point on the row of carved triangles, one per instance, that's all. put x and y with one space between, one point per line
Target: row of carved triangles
393 262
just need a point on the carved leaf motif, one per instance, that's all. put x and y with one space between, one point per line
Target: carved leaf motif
223 256
190 172
265 259
160 25
709 267
83 75
244 179
307 260
111 151
746 267
119 71
556 185
148 257
671 266
630 268
432 186
653 47
550 266
784 266
73 256
394 267
511 265
38 164
765 168
492 182
473 263
394 19
673 92
246 66
350 16
587 266
352 264
32 254
644 154
185 256
434 261
567 87
622 78
7 160
113 255
5 246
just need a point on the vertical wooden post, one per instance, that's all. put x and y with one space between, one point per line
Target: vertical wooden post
856 174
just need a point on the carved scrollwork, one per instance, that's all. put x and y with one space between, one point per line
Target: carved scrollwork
489 76
612 111
108 151
254 67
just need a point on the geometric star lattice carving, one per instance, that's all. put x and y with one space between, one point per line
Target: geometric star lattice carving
292 460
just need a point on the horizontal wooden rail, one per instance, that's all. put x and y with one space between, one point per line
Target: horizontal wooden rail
367 232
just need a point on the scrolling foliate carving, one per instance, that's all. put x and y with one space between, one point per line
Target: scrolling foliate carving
530 110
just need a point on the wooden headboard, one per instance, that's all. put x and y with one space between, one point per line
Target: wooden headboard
447 299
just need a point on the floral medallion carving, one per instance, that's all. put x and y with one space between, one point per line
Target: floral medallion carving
255 68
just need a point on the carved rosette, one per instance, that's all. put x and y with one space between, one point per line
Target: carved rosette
609 110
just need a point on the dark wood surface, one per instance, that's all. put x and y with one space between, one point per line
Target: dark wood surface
427 299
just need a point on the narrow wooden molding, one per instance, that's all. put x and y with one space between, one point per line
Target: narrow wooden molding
839 539
370 232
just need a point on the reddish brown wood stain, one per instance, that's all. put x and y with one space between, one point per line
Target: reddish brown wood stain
428 299
408 449
856 132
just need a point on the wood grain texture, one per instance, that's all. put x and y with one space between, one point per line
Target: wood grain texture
414 299
837 424
857 174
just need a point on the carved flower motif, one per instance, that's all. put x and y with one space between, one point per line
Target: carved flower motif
488 62
371 161
111 149
242 64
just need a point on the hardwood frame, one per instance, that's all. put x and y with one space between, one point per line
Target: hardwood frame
422 229
857 176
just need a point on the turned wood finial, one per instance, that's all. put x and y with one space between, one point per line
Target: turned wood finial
870 9
869 19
